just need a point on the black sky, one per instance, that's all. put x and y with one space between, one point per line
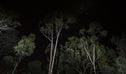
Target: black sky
110 12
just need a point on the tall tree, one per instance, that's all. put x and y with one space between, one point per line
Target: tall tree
84 54
25 47
51 29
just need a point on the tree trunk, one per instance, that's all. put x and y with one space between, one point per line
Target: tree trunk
50 61
16 65
55 49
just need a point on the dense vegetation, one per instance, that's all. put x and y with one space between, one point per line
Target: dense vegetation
89 49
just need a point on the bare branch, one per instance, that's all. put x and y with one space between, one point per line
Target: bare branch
46 36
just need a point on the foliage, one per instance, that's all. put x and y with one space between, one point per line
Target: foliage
52 28
7 63
54 23
8 20
74 56
78 53
89 52
120 44
8 33
35 67
25 46
8 39
121 65
8 60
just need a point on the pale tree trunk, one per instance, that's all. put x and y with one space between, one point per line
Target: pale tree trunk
94 58
51 53
91 58
54 54
55 49
16 65
51 50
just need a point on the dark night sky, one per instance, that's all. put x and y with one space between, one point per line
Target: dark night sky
110 12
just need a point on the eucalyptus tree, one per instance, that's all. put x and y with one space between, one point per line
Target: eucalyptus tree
81 54
25 47
84 54
51 29
8 32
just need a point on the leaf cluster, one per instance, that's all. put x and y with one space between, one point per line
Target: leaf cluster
25 46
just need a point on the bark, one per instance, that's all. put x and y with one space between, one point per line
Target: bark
55 49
